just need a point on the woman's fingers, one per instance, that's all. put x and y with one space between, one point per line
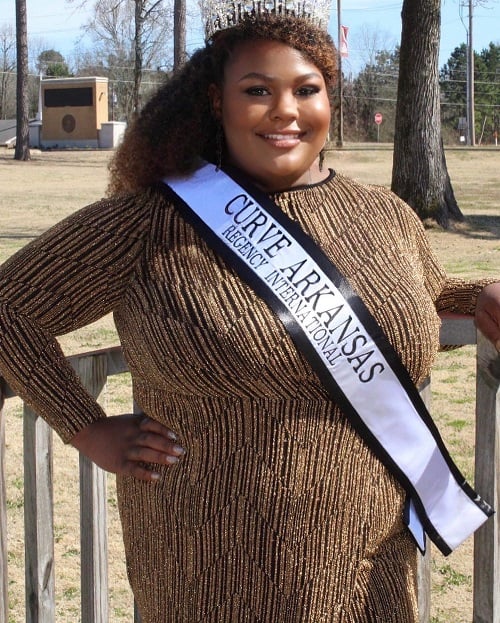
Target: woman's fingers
155 445
151 450
159 438
127 444
140 472
153 426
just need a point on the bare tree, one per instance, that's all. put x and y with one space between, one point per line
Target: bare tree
420 174
22 151
7 72
134 32
145 11
370 41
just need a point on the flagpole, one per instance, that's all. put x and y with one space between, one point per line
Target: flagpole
340 86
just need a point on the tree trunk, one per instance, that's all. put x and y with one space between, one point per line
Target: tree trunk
22 151
139 53
420 176
179 33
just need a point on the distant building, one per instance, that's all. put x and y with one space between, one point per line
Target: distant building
74 113
7 132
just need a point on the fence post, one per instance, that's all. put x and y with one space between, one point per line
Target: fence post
38 519
137 614
424 562
487 481
93 509
4 586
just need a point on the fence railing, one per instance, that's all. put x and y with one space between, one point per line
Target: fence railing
95 368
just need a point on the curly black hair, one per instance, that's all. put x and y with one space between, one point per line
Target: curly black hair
177 128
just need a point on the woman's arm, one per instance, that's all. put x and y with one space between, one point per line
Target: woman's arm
70 276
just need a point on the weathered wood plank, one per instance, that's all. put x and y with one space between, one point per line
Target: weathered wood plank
424 562
487 481
94 542
115 362
92 370
137 616
4 586
457 330
38 519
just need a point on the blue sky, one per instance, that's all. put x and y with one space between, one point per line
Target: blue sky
382 19
372 25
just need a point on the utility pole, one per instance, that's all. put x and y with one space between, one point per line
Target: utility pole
471 124
470 81
340 86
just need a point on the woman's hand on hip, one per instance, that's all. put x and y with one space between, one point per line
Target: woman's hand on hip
127 444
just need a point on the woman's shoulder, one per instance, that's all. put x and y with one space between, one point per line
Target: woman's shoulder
113 221
373 192
338 184
119 210
375 198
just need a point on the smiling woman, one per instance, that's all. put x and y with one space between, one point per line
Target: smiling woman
193 129
275 113
275 318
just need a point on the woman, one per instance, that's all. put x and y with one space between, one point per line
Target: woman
245 494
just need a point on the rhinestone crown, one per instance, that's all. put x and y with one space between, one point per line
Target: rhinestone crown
219 15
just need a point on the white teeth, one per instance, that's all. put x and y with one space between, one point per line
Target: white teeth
281 137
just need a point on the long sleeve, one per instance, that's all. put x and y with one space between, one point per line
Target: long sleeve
69 277
459 296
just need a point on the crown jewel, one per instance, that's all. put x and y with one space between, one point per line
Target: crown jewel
220 14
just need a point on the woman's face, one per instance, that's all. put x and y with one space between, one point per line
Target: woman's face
275 112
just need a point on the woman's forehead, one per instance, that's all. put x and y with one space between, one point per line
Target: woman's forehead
273 56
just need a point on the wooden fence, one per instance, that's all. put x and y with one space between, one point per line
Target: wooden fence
94 369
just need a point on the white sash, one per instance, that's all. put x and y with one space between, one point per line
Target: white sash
344 344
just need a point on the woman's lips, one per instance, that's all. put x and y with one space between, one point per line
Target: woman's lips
283 140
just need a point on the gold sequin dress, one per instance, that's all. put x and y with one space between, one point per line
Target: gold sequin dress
278 513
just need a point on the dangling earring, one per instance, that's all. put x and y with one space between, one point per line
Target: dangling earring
321 159
219 146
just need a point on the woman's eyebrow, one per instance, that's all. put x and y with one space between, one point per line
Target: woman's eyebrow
260 76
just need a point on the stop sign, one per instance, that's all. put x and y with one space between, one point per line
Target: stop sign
378 118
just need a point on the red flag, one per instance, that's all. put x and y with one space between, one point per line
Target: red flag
344 50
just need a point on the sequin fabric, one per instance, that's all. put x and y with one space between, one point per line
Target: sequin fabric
278 512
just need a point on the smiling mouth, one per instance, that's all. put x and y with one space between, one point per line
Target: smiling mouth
282 137
283 140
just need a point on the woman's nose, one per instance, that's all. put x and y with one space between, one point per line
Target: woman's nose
284 106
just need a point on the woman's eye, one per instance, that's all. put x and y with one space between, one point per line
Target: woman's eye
259 91
306 91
